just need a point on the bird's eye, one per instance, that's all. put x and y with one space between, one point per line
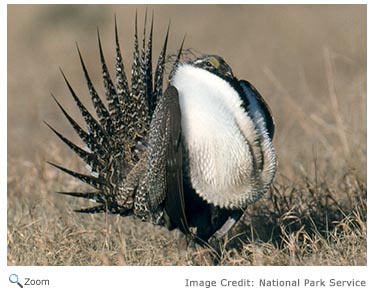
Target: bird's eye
209 64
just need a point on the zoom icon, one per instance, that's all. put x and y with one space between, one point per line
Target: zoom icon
13 278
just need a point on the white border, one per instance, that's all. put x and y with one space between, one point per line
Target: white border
159 279
172 280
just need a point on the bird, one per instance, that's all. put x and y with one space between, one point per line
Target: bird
190 156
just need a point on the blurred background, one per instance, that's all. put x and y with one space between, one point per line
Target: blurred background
308 62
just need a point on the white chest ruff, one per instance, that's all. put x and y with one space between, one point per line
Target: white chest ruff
216 132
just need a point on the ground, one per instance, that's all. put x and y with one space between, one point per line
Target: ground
308 61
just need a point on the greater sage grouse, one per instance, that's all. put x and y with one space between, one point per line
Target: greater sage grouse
192 157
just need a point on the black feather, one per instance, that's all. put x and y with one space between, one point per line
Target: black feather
115 108
177 60
123 91
87 138
97 209
149 70
136 66
94 128
88 158
101 111
94 196
158 87
122 82
97 183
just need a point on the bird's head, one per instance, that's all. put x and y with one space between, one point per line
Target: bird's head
214 64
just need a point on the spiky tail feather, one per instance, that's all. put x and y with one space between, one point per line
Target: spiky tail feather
112 140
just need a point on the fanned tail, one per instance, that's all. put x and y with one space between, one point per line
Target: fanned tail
123 90
115 107
101 111
113 142
177 60
148 69
96 182
89 158
158 79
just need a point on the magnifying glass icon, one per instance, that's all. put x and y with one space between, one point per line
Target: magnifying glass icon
13 278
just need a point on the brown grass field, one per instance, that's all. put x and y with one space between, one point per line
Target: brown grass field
308 61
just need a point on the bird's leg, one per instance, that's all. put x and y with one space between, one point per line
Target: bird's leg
216 238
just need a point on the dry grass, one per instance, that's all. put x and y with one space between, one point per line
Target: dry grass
299 224
308 61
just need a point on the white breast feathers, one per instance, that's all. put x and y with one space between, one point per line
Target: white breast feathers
227 152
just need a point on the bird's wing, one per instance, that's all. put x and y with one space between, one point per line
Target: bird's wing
164 169
254 96
175 204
